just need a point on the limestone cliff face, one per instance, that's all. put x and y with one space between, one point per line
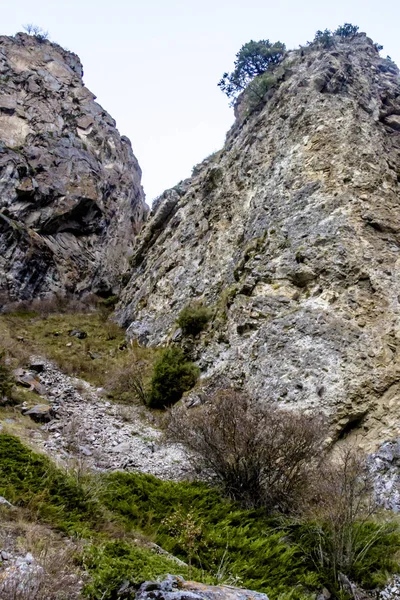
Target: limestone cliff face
71 201
291 233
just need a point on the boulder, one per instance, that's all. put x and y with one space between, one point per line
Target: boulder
41 413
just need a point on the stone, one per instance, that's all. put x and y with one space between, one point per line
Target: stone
5 502
41 413
78 333
176 588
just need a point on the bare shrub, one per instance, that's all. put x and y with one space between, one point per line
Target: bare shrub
340 535
128 382
259 454
52 574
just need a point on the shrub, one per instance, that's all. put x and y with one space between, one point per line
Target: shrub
40 34
340 536
172 376
346 30
324 38
253 59
260 455
193 319
257 89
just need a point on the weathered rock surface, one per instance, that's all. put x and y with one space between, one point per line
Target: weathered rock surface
176 588
291 234
71 201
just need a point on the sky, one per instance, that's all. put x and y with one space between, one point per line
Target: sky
154 65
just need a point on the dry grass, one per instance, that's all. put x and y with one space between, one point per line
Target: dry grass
103 357
55 575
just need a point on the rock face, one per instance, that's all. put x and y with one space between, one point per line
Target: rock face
71 201
291 234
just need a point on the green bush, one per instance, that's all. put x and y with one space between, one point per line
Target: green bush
324 38
253 59
257 89
30 480
346 30
172 376
236 546
193 319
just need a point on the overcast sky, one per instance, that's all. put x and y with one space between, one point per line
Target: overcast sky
154 65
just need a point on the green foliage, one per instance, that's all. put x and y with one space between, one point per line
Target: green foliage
346 30
224 542
366 558
31 480
232 544
193 319
257 89
172 376
324 38
253 59
6 380
114 562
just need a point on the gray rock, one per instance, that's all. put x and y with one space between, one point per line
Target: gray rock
176 588
41 413
71 201
5 502
300 256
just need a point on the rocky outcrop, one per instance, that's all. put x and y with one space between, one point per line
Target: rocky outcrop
71 202
291 235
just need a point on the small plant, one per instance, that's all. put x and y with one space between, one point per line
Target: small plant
40 34
257 89
183 526
339 535
172 376
324 39
193 319
347 30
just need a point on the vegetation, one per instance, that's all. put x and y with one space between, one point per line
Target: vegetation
346 30
223 542
253 59
103 358
173 375
259 455
39 33
193 319
326 38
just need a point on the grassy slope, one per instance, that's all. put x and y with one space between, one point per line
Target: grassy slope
111 514
118 516
99 358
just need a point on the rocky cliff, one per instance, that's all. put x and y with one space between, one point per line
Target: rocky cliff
71 201
291 235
